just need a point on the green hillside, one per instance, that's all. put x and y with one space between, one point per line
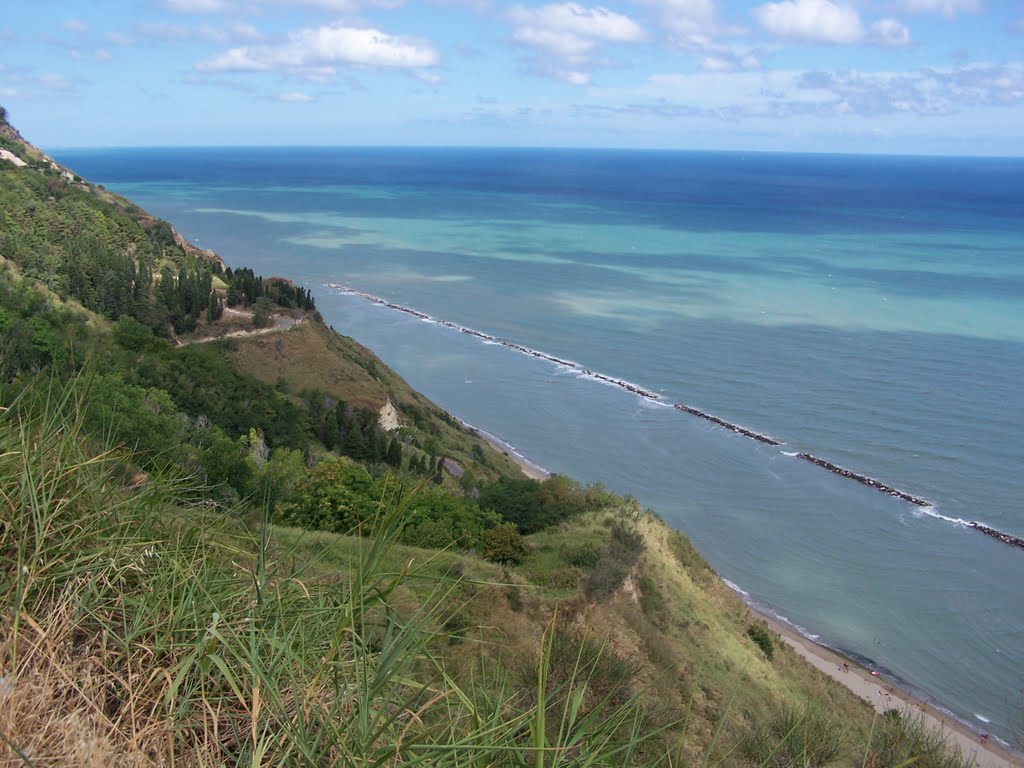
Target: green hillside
215 551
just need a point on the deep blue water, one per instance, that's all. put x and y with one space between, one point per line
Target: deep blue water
869 310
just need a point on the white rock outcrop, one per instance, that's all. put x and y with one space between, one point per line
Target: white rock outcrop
388 418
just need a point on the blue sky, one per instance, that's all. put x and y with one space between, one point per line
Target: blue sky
886 76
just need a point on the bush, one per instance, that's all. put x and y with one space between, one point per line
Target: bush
503 544
762 637
583 555
623 549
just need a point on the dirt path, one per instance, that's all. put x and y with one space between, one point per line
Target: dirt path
281 323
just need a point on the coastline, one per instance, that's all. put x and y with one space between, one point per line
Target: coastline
531 470
876 691
882 694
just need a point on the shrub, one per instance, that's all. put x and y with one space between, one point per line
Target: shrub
583 555
762 637
503 544
611 569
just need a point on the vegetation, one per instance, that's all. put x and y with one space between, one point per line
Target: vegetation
762 637
216 554
205 647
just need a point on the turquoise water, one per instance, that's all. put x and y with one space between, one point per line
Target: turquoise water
866 310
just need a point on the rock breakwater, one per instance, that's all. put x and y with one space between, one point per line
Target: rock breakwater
655 397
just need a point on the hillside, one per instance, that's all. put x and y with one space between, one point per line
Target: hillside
214 550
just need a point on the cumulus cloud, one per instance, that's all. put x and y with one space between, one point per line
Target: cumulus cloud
890 33
316 51
948 8
811 21
295 97
566 36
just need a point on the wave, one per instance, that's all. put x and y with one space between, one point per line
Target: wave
926 506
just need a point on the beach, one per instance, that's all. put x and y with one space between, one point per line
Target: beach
860 314
875 690
883 695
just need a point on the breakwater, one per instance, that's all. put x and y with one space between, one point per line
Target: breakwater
864 480
647 394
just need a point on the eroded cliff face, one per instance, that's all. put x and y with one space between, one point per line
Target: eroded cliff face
388 417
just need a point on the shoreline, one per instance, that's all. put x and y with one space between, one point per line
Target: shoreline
883 694
878 692
655 397
531 470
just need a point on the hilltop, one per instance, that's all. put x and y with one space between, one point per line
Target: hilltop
229 534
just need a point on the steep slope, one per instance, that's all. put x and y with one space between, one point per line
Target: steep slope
213 553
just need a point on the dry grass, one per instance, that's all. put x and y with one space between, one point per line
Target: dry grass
138 633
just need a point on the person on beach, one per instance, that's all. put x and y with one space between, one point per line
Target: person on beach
846 667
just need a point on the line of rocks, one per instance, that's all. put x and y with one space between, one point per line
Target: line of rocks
653 396
864 480
1006 538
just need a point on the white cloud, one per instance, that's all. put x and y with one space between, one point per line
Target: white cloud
730 62
316 51
77 26
890 33
102 54
783 94
812 21
177 33
566 36
428 77
196 6
295 97
52 81
119 38
948 8
688 18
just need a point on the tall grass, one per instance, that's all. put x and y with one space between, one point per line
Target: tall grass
136 631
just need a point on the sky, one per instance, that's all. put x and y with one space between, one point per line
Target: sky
861 76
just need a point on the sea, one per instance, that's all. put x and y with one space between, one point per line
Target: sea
867 310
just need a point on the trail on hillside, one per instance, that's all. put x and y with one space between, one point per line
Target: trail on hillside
281 323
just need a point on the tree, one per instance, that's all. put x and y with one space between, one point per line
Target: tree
3 114
262 315
394 454
503 544
338 495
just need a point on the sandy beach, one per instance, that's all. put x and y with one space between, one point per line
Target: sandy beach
878 692
531 470
883 695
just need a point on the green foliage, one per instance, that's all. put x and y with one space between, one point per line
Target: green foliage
902 739
797 738
338 495
534 505
503 544
623 549
582 555
762 637
438 519
262 316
